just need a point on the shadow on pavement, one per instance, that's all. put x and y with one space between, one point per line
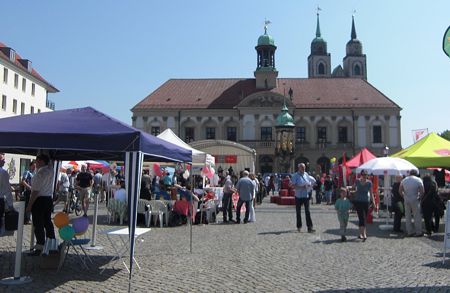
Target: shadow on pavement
398 289
277 232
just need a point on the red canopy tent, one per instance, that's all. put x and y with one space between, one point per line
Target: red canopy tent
360 158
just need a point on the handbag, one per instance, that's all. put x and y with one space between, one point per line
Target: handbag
11 220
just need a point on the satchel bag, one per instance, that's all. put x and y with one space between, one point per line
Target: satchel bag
11 220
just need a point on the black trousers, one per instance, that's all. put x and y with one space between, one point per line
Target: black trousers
238 210
42 219
397 217
2 211
428 211
362 209
26 195
227 206
298 210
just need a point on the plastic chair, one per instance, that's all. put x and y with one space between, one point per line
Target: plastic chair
159 210
144 208
111 210
121 209
74 243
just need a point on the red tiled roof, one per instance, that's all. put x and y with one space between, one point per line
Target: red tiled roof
33 72
227 93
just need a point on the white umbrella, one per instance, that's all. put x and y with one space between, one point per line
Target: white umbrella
387 166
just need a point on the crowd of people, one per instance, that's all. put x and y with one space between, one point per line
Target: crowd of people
412 197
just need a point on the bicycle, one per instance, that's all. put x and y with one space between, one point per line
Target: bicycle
74 203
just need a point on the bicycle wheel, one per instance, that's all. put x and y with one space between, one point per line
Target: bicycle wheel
77 207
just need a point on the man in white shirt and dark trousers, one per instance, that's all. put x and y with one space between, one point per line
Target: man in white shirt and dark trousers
302 184
6 198
41 203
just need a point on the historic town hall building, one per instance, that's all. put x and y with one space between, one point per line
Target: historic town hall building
306 119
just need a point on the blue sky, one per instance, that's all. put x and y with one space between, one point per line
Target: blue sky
111 54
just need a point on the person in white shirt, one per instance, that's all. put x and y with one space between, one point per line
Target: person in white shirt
41 203
411 188
121 193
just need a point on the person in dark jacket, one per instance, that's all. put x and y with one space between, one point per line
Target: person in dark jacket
397 204
429 206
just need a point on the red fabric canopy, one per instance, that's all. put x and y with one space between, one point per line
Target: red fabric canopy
360 158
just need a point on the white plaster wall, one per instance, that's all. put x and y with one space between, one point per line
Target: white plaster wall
361 129
248 122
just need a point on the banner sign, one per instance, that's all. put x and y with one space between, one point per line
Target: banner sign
231 159
418 134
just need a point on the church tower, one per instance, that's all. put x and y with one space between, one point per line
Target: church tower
319 61
355 61
266 74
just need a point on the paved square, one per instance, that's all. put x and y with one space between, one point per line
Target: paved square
266 256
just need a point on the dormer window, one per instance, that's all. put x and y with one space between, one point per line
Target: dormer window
12 55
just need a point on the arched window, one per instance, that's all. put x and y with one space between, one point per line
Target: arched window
357 70
321 69
323 165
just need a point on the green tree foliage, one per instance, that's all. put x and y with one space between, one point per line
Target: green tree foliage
446 134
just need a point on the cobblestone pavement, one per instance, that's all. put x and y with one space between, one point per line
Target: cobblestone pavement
266 256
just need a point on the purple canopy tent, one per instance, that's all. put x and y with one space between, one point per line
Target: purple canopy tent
85 133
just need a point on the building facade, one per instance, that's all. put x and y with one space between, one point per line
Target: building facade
335 112
23 91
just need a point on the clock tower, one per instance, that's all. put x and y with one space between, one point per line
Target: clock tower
355 61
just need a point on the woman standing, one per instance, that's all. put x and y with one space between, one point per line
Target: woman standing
363 197
428 204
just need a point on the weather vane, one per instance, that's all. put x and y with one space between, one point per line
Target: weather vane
266 24
318 9
354 12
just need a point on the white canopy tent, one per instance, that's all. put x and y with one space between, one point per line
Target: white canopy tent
198 157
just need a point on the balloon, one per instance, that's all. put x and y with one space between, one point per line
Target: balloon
66 232
333 160
212 171
80 225
61 219
186 174
215 180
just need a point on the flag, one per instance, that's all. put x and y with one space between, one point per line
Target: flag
418 134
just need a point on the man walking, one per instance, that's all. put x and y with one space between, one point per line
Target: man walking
301 182
411 188
84 183
246 189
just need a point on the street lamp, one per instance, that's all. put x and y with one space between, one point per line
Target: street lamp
386 150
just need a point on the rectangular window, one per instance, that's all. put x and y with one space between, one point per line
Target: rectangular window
189 134
232 133
266 133
155 130
33 89
376 134
16 80
300 134
5 75
321 134
342 134
3 102
15 106
32 110
22 108
210 133
24 84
